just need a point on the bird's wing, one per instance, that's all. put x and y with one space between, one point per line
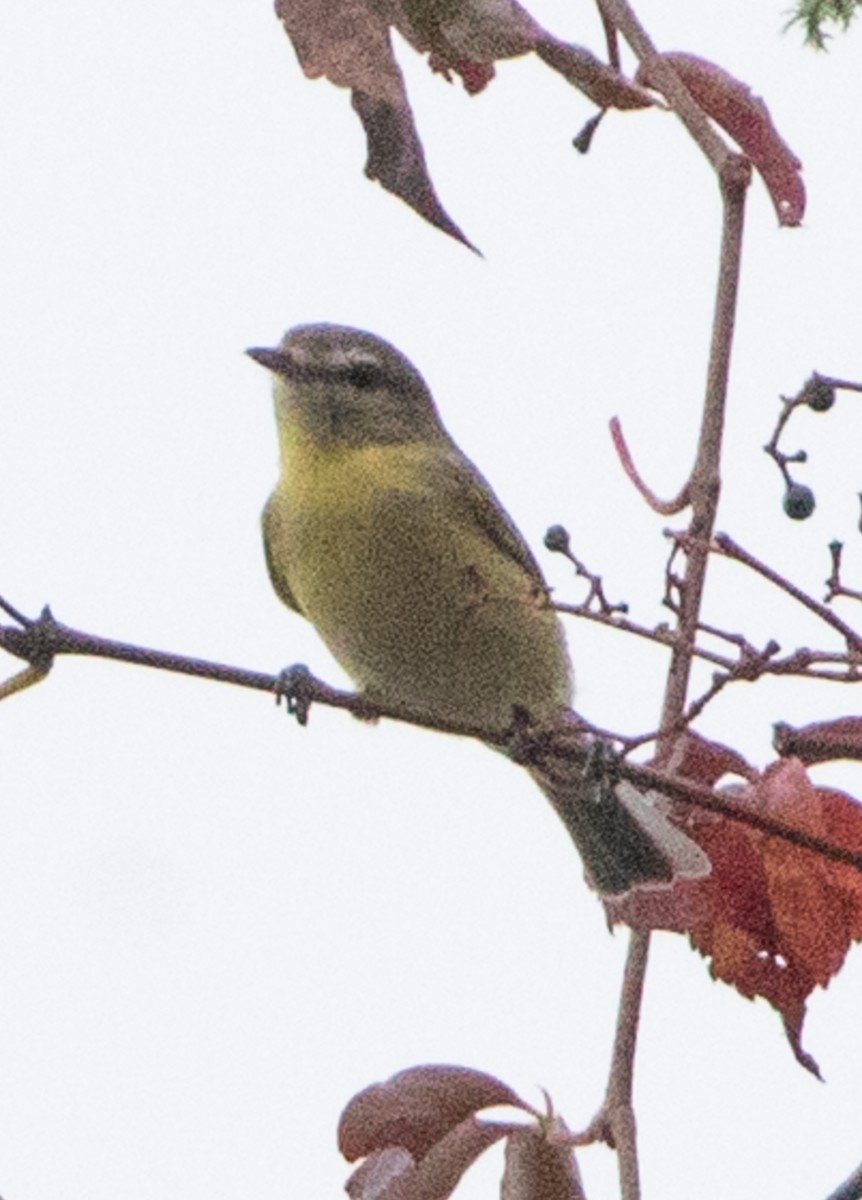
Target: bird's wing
271 535
472 500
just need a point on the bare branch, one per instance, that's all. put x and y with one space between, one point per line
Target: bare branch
47 638
725 545
834 585
614 1123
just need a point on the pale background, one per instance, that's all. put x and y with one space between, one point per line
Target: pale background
216 927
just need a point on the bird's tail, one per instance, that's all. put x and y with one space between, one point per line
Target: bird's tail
623 839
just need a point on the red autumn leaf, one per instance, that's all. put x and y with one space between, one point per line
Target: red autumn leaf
822 741
775 919
705 762
418 1107
746 118
781 918
348 41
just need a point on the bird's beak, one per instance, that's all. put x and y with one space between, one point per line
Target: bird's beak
273 360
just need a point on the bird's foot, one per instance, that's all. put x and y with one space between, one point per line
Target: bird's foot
295 687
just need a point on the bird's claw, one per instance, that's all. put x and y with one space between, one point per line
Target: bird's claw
295 687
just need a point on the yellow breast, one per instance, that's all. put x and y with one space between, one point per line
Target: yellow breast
413 598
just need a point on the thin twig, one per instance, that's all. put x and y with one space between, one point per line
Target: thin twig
798 662
847 385
723 544
661 635
667 508
614 1123
705 483
663 78
611 40
833 583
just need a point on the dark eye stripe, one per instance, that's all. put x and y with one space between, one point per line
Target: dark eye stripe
365 375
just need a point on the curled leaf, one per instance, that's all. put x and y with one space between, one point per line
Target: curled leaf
393 1175
417 1107
746 118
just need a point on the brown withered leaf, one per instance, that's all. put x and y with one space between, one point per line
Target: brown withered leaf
396 159
418 1133
379 1172
540 1167
482 32
348 41
418 1107
746 118
393 1175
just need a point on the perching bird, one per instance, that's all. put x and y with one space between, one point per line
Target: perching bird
385 536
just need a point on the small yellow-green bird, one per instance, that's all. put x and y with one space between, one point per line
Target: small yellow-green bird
385 536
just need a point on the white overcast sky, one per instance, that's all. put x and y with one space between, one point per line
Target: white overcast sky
216 927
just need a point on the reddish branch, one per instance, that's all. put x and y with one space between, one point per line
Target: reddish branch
42 640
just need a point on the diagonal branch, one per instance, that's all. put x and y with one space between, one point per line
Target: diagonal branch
730 549
43 639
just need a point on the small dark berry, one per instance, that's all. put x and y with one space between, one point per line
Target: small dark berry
799 501
557 539
818 394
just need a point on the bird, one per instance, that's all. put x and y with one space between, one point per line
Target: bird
388 539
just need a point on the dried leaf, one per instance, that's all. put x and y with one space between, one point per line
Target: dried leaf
348 41
378 1173
481 30
397 160
746 118
392 1175
419 1133
418 1107
538 1167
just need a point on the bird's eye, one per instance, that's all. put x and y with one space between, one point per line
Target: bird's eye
365 375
